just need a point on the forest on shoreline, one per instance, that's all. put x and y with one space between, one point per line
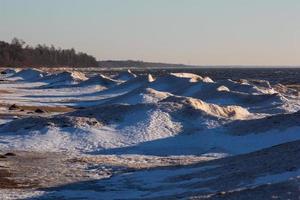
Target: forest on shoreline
19 54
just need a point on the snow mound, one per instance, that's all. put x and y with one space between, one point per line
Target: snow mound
125 76
150 78
192 77
227 92
78 75
112 126
63 79
232 112
259 83
150 95
128 86
280 122
179 83
140 95
65 76
261 86
172 113
99 80
9 72
282 89
238 86
171 84
223 88
29 74
207 80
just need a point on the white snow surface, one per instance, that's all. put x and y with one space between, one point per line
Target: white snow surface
179 113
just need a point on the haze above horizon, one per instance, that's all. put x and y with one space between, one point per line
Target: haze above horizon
198 32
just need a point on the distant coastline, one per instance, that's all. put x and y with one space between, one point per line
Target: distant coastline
131 64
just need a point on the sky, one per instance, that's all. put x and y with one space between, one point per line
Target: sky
201 32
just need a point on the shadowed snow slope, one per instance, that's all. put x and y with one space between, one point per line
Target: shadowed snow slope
140 95
63 79
125 76
125 87
29 74
9 72
270 174
99 80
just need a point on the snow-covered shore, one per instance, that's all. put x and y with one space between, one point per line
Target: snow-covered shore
178 114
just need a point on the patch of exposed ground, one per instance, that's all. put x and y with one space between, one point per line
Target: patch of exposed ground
12 111
50 109
5 92
39 170
44 169
141 162
161 177
248 176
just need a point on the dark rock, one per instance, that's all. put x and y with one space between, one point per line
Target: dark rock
10 154
65 126
2 156
221 193
38 110
14 107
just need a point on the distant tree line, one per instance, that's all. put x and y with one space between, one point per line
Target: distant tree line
140 64
18 54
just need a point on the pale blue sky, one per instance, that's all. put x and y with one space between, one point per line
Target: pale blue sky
205 32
